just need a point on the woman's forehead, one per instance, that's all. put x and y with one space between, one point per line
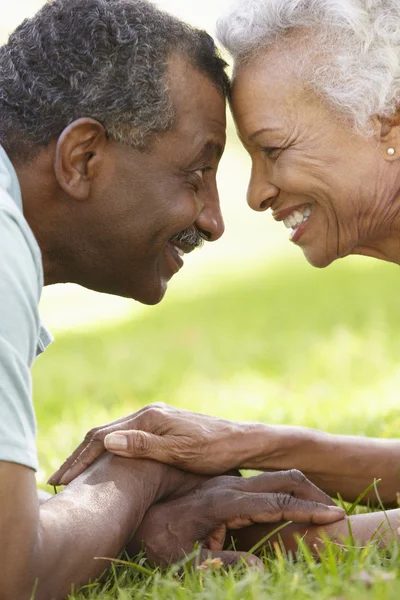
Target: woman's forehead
267 89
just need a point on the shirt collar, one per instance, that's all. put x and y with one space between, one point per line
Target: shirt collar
13 183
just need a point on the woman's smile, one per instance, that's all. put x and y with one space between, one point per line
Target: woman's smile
295 219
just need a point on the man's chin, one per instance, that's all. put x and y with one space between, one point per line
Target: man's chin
151 296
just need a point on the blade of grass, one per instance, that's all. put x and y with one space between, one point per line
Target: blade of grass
266 538
356 502
127 563
376 481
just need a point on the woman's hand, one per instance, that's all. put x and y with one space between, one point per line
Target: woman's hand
190 441
171 529
382 528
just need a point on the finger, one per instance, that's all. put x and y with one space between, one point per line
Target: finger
96 446
141 444
57 475
292 482
209 561
249 508
216 539
88 450
89 454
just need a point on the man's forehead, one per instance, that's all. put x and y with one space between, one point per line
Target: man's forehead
201 128
192 90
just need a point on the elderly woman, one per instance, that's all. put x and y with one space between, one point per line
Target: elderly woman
316 101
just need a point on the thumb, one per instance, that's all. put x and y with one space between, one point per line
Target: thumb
137 444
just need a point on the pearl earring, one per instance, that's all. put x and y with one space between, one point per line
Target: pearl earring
391 151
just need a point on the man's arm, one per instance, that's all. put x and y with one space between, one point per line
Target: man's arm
101 510
204 444
55 544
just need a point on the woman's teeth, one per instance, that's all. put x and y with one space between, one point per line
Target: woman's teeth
297 218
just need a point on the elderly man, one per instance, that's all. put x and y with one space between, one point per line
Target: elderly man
112 124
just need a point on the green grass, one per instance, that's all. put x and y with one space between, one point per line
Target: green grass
351 574
288 344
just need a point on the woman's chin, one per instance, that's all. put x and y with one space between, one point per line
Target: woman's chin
316 259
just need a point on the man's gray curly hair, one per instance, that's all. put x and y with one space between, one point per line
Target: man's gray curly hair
105 59
356 44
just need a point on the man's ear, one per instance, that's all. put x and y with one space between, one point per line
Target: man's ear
389 136
79 152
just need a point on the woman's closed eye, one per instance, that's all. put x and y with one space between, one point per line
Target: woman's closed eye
271 152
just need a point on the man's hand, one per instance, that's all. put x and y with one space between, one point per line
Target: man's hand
190 441
171 529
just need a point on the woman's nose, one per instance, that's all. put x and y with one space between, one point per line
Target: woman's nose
261 192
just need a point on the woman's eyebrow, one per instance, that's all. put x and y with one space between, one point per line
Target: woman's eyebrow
260 131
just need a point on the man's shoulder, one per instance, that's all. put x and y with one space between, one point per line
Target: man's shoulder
14 228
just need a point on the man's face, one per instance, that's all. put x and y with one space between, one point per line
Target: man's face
145 200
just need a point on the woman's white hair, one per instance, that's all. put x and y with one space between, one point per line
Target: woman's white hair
357 43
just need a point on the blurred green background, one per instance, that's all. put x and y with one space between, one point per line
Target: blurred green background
247 331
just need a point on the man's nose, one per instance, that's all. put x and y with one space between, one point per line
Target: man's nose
210 221
261 192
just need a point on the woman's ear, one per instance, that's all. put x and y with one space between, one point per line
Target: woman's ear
389 136
80 150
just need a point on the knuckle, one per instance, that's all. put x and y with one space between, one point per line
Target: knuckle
284 501
297 477
153 417
91 434
157 405
138 443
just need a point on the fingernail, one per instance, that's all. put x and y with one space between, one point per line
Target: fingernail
116 441
64 478
337 509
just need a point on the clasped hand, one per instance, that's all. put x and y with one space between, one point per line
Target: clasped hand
204 509
208 512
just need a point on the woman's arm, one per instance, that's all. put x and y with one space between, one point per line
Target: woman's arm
379 526
335 463
203 444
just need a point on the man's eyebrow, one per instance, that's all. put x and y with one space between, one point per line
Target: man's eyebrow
211 149
260 131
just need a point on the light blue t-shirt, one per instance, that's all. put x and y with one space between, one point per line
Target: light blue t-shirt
22 336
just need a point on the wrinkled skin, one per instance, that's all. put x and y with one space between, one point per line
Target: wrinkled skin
104 213
170 529
104 216
304 153
191 441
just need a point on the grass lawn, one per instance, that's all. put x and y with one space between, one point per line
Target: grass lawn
284 344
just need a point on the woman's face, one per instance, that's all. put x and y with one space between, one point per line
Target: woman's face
326 183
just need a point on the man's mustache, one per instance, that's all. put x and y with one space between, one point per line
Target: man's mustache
190 236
